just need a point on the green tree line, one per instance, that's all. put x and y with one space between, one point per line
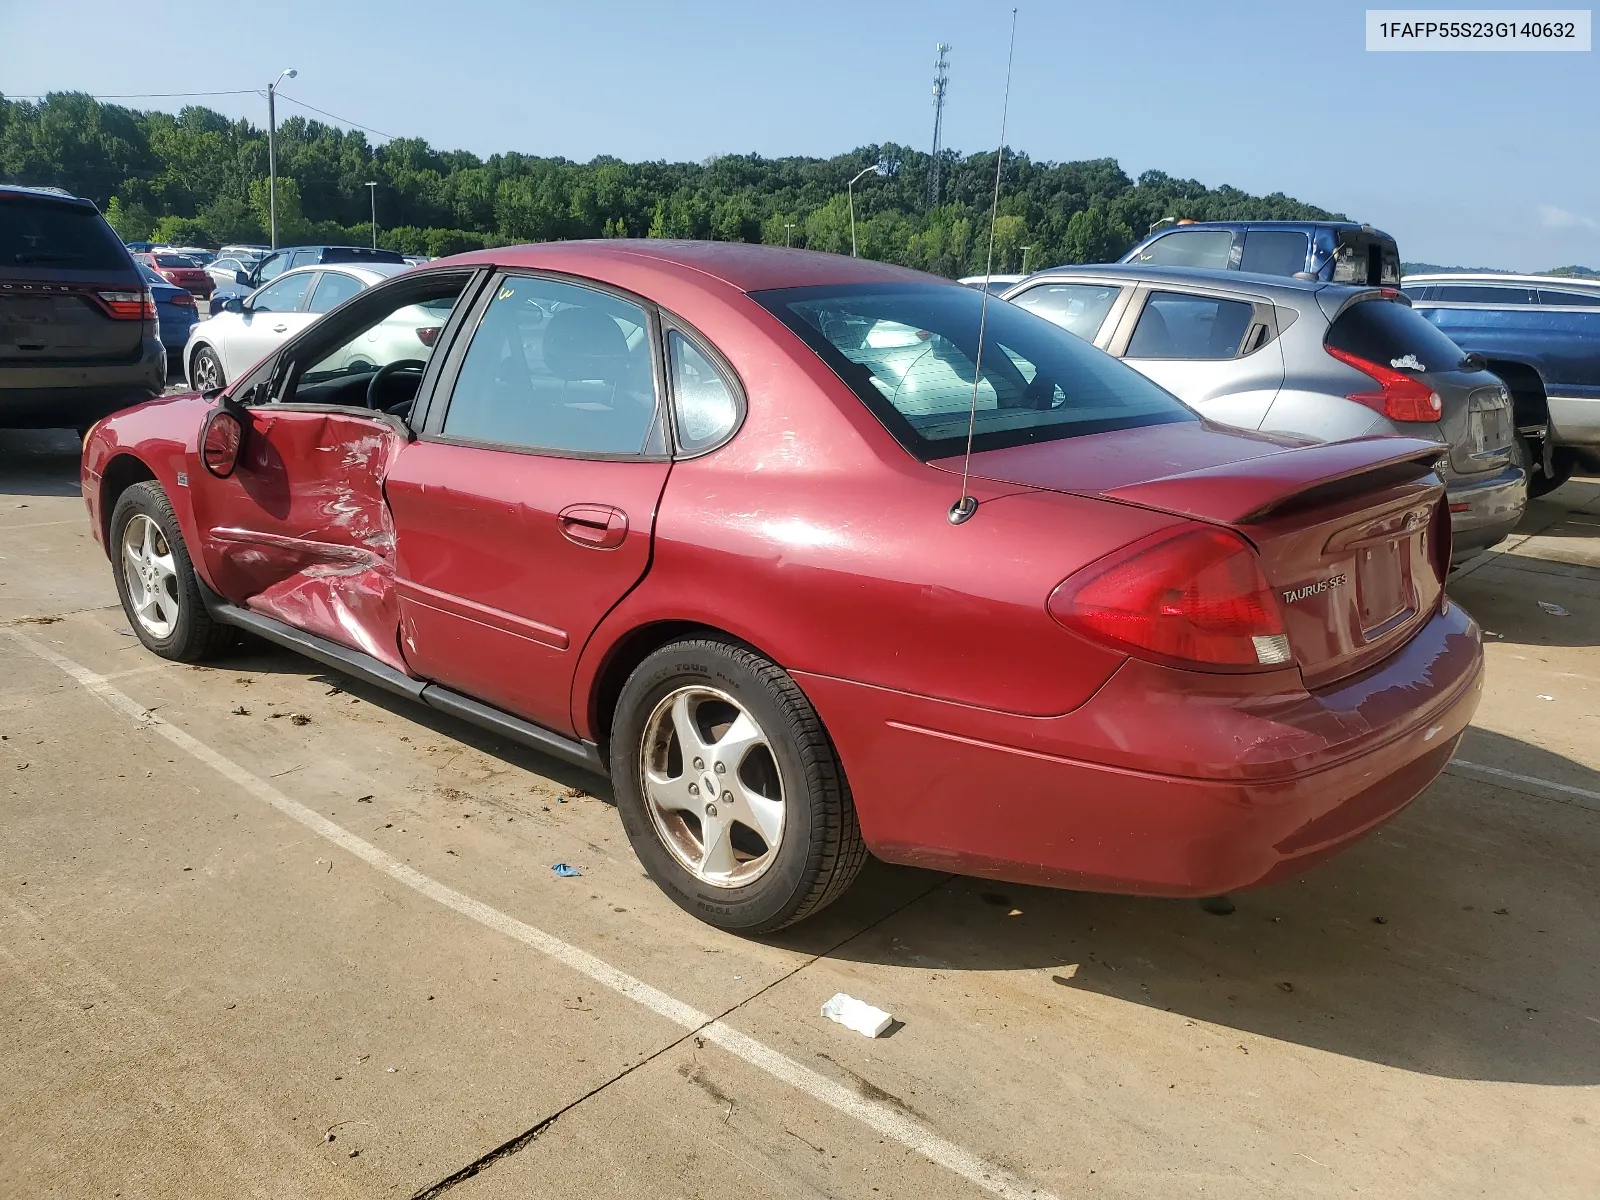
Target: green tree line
199 178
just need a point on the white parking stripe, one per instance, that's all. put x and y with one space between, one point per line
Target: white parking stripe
885 1120
1531 780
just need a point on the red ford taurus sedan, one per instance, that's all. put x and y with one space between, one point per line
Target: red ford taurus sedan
692 514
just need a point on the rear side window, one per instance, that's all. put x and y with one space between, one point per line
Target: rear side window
702 398
1274 252
1394 335
910 352
1583 299
557 367
1190 248
43 233
333 289
1078 308
1175 325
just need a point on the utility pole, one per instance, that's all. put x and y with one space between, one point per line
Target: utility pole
1025 250
788 228
372 190
272 149
941 80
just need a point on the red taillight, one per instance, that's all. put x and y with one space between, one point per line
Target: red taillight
182 300
1198 598
1400 397
129 306
429 334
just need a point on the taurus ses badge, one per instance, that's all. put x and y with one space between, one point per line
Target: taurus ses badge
1291 595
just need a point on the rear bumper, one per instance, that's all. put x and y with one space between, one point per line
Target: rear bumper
1253 788
72 397
1484 511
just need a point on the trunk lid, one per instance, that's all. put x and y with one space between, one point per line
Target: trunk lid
1353 536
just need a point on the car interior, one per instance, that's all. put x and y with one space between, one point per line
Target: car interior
340 366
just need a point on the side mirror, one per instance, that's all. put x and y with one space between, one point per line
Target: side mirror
242 278
233 304
222 441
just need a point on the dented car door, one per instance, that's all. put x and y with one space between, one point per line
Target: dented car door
300 531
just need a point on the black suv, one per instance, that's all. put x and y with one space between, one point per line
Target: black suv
279 261
78 331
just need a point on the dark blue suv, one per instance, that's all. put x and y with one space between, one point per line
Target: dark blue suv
1333 251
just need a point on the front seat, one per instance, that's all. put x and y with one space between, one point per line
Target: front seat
585 345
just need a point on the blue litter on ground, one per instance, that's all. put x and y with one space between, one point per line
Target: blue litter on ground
566 872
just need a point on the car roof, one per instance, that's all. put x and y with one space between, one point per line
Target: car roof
1308 223
741 265
1496 277
47 193
368 272
1133 273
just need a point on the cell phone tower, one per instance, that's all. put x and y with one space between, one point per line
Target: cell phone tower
941 80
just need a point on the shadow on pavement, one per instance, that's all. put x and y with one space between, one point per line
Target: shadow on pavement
39 462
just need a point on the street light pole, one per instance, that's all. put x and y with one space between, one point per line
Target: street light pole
272 149
1025 250
788 227
851 189
372 190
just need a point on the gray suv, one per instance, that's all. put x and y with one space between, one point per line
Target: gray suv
1323 361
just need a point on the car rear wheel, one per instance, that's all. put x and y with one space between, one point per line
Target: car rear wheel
206 374
156 580
1540 481
730 789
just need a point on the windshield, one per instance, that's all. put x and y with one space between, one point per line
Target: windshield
174 260
909 351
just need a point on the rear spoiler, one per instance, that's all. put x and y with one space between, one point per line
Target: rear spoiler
1239 493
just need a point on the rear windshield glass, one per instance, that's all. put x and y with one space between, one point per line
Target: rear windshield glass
42 233
174 260
1393 335
909 351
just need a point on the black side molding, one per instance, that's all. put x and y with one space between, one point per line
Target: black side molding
380 674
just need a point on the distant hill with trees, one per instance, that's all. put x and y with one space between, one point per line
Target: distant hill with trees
200 178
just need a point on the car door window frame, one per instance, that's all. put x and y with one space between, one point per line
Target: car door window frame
270 379
659 441
1263 319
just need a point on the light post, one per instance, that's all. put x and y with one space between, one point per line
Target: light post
788 228
272 149
372 190
1025 250
879 168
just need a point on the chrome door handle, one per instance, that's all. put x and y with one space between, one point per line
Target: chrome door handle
279 328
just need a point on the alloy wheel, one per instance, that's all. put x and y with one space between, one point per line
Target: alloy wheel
152 576
207 371
713 786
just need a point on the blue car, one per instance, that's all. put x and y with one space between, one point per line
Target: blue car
176 311
1332 251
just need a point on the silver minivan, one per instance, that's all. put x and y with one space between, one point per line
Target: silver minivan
1323 361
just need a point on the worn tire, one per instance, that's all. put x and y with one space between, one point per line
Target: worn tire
821 850
195 636
212 362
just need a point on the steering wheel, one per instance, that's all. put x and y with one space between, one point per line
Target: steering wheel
375 385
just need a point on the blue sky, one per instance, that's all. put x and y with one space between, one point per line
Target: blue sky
1469 159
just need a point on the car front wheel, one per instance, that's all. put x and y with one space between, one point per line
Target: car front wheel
156 580
207 373
730 789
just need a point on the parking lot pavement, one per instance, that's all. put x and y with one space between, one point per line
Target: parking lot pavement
221 927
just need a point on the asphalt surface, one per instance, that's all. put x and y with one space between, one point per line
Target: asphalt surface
246 954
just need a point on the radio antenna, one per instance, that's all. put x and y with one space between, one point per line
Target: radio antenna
963 508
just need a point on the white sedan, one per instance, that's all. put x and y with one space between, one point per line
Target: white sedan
243 332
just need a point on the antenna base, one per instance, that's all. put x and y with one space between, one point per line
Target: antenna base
963 509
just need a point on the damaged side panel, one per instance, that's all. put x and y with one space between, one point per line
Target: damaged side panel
300 531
